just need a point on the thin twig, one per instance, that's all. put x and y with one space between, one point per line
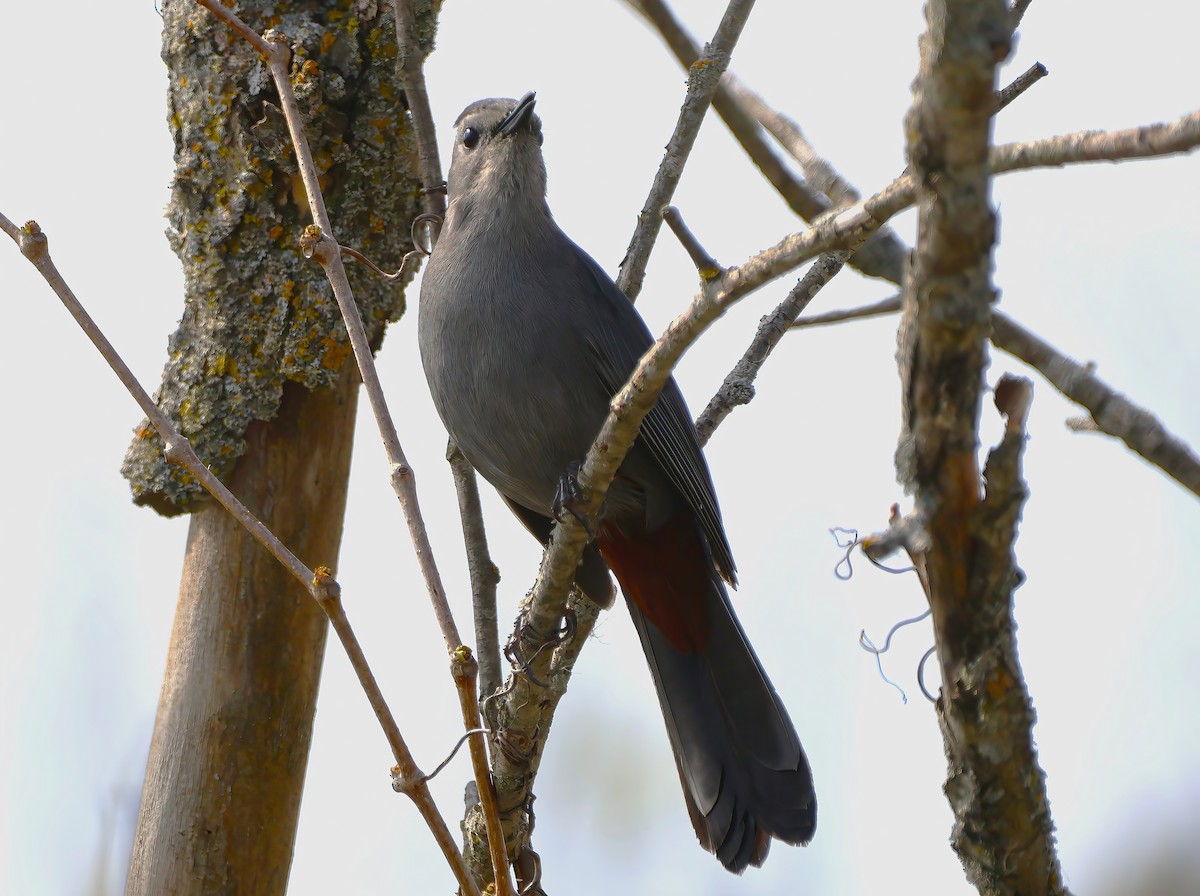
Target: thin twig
817 170
35 247
1111 411
484 575
240 28
704 76
319 583
706 266
1180 135
890 305
319 245
465 670
1023 82
879 257
411 62
1017 12
738 388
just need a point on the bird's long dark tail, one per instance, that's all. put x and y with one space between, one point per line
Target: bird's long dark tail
745 777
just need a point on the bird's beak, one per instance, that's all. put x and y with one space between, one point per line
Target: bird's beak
517 117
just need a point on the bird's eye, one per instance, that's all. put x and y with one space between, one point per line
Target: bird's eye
470 137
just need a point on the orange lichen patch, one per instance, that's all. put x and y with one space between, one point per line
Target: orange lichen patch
327 40
335 353
1000 684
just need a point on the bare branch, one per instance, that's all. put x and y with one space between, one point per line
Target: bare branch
878 258
483 572
523 714
1181 135
1111 412
890 305
1017 12
1006 844
484 575
738 388
819 172
413 48
319 583
35 247
703 78
465 670
1023 82
321 246
706 266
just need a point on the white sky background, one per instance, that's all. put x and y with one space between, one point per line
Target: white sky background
1098 260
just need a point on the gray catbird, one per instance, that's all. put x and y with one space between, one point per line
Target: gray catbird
524 340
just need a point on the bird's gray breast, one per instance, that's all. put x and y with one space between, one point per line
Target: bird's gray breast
510 375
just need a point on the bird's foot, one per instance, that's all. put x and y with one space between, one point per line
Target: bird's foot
570 498
525 635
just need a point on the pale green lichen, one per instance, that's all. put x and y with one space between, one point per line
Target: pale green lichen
256 312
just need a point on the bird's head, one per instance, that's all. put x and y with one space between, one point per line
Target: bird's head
498 153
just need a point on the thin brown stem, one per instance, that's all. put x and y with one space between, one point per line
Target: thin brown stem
465 670
320 245
330 258
319 583
35 247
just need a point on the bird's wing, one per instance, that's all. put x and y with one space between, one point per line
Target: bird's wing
618 343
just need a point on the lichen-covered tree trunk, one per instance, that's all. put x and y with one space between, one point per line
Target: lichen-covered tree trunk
260 378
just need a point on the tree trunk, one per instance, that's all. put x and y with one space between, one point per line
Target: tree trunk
226 768
260 379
